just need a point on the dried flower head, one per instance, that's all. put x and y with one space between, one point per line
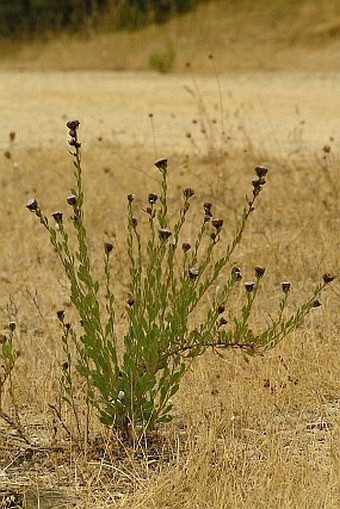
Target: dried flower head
134 222
236 273
326 149
164 233
130 301
316 303
71 199
65 366
7 154
108 248
328 278
186 247
152 198
3 339
131 197
261 171
61 315
73 124
161 164
220 309
32 205
222 321
57 216
217 223
12 135
193 273
188 193
12 326
207 208
72 133
259 272
285 285
249 286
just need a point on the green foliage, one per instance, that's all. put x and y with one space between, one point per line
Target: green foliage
131 378
22 17
8 357
163 61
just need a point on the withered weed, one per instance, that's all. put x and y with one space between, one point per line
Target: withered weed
131 378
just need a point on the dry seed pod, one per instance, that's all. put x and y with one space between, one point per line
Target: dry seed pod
193 273
249 286
285 285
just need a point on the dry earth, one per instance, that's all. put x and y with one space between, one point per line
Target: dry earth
277 111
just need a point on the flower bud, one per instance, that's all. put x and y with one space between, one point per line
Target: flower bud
108 248
259 272
164 234
73 124
261 171
71 199
32 205
57 216
328 278
152 198
161 164
193 273
285 285
249 286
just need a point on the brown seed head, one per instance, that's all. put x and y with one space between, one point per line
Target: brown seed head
12 135
72 142
261 171
164 234
222 322
285 285
236 273
220 309
161 164
131 301
326 149
316 303
12 326
65 366
249 286
152 198
7 154
61 315
72 133
207 208
71 199
32 205
3 339
217 223
134 222
73 124
328 278
188 192
57 216
259 272
108 248
186 247
193 273
131 197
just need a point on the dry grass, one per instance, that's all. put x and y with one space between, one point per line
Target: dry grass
248 432
260 432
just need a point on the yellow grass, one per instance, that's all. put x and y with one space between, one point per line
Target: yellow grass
248 432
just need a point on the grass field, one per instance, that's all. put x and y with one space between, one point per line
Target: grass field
249 432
